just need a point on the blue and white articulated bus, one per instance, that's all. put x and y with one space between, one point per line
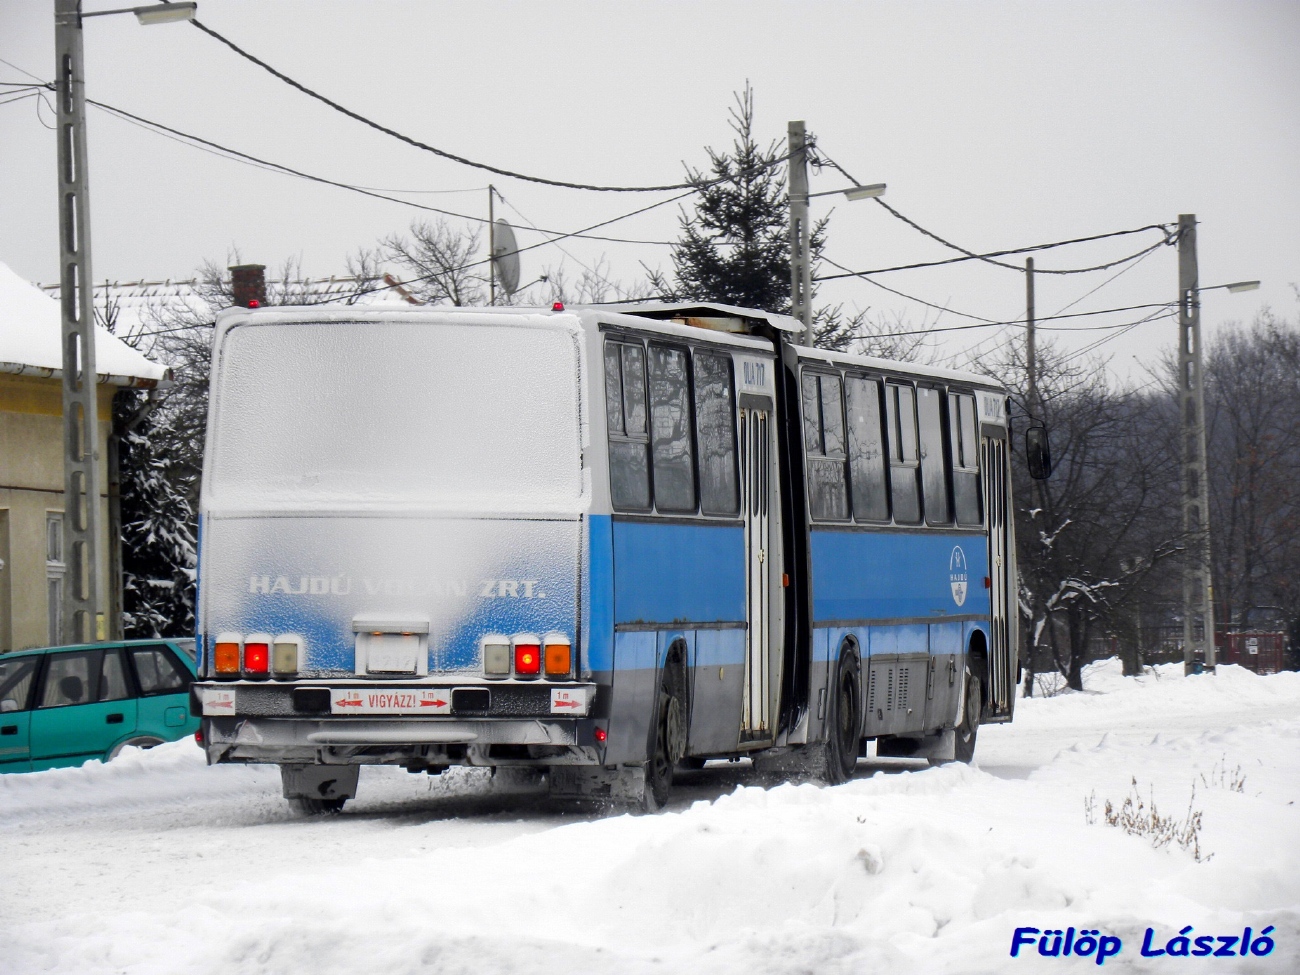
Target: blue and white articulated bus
603 545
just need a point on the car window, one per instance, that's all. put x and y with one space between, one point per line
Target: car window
112 677
70 678
16 683
185 646
157 671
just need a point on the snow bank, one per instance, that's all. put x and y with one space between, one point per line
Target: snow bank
904 869
31 326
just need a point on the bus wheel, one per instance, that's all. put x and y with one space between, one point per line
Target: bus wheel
970 719
846 712
311 806
669 739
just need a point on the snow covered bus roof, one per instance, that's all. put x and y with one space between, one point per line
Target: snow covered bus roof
913 370
31 336
711 315
683 320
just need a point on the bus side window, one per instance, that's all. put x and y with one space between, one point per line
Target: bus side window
866 451
900 413
671 447
934 474
715 434
823 418
963 437
629 470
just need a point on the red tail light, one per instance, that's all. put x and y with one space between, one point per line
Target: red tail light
528 659
198 737
601 734
257 658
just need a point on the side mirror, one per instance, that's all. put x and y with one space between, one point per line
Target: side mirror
1038 452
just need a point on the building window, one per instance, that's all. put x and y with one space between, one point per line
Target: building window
56 569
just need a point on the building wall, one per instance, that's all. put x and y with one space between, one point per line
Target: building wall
31 486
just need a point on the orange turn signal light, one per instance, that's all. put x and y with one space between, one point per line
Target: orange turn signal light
559 660
225 657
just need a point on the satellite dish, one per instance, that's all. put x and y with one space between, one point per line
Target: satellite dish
505 256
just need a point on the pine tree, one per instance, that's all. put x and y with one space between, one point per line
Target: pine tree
159 555
735 246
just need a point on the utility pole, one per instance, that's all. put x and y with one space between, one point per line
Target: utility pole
800 232
1031 407
1031 354
492 246
82 591
1198 588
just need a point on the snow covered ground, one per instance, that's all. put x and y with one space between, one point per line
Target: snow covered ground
155 863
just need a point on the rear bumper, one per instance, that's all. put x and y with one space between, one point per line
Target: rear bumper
516 724
318 699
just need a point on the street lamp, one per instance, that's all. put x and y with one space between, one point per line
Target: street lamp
801 231
81 600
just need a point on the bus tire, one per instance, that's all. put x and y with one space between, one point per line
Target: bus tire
669 742
311 806
970 719
844 726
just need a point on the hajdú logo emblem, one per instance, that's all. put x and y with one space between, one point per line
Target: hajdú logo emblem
957 575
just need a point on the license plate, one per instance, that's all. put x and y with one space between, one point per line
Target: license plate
393 653
400 701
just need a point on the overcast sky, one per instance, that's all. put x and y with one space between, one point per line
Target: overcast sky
995 125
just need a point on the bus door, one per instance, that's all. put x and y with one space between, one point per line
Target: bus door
756 481
996 503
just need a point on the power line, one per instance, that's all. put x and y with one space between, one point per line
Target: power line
219 149
22 70
425 146
1018 250
353 295
901 294
1123 270
1170 238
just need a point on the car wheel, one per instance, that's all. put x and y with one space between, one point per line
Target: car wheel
970 719
142 741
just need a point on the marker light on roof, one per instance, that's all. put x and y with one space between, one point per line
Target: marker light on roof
558 306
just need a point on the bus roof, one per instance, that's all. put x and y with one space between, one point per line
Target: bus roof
914 370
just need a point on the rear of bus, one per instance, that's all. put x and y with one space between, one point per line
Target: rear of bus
391 544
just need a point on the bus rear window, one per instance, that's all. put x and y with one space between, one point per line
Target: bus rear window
478 416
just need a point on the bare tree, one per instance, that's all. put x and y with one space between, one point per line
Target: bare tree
1253 414
1090 539
440 263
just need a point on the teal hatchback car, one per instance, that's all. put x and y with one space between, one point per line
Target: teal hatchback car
66 705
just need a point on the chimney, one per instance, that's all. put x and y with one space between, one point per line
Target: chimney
248 284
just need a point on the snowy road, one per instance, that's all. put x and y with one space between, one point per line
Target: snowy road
156 863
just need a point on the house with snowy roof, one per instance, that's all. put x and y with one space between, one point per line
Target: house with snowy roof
33 566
